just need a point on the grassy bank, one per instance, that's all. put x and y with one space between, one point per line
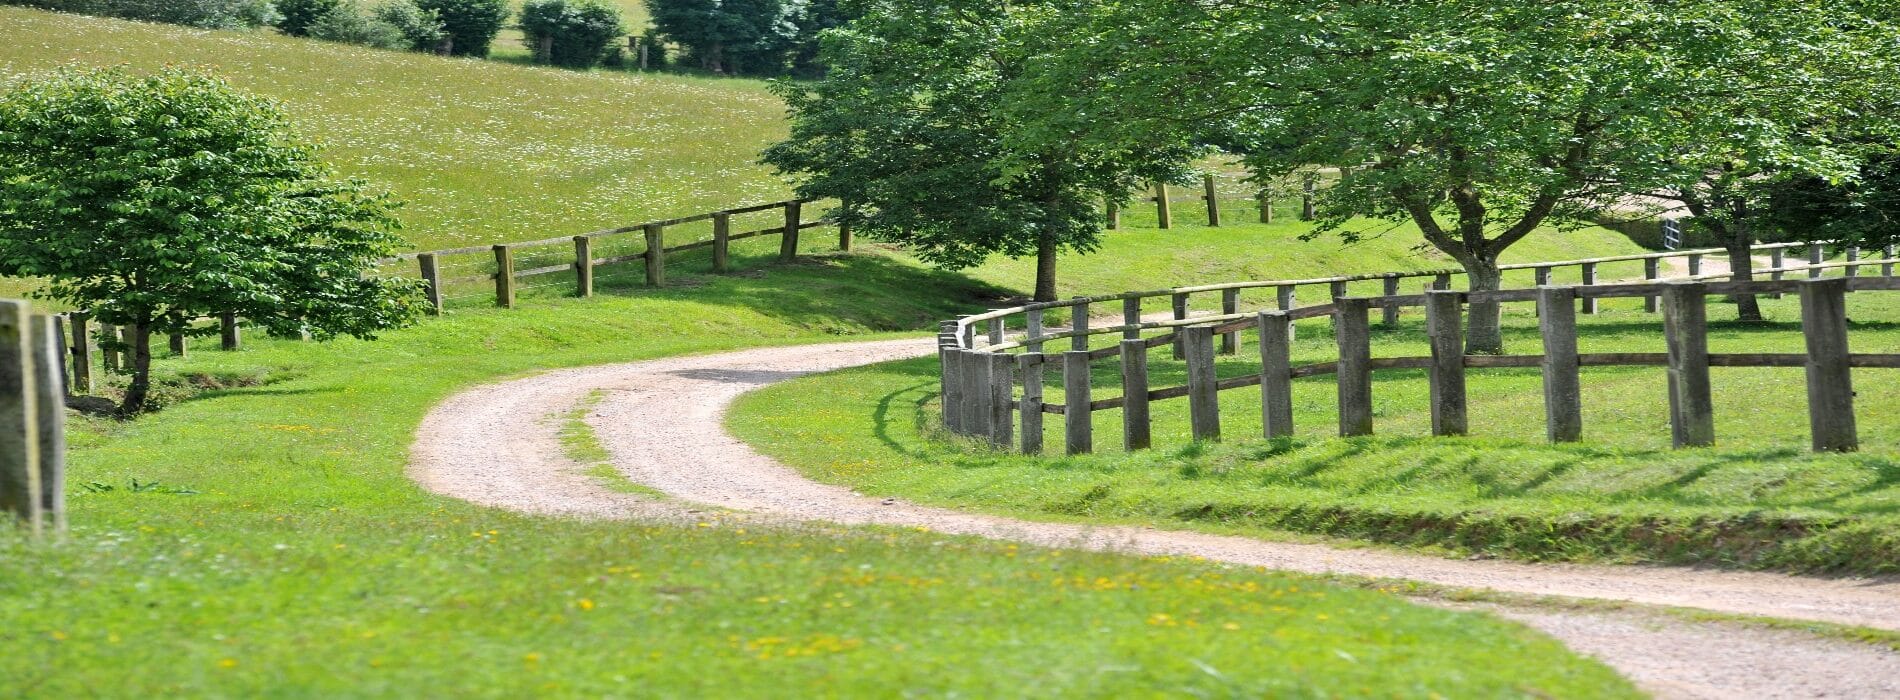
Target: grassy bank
273 547
1758 500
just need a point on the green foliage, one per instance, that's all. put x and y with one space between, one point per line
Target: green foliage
470 24
352 23
748 37
298 15
422 29
209 14
153 201
582 31
909 130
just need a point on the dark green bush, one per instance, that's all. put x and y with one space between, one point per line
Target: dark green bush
582 30
351 23
422 30
471 24
298 15
210 14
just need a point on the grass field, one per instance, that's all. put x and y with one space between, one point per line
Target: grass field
483 151
274 547
1758 500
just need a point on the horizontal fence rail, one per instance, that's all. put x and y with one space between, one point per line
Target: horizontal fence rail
981 373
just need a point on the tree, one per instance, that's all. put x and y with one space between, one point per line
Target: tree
471 24
580 30
299 15
150 202
1479 122
908 130
729 36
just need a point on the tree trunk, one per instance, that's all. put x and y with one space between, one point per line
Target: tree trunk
1741 261
1046 266
141 351
1483 334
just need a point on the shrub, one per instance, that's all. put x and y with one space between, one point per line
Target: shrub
209 14
298 15
471 24
582 30
422 29
350 23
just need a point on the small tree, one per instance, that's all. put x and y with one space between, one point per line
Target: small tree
471 24
580 31
299 15
150 202
730 36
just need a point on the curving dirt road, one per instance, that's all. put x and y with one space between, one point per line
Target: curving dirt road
661 421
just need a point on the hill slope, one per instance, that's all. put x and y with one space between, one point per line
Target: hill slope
483 151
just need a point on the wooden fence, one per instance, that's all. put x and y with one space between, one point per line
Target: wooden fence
979 380
32 419
1210 197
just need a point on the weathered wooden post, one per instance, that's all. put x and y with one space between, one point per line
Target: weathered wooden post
1180 300
1651 270
1441 282
1002 399
1164 209
1886 268
1276 374
1309 209
1213 200
1136 427
1032 329
1853 256
504 276
61 357
1354 337
1563 392
1131 317
1816 256
1079 321
1830 379
788 243
722 242
1542 274
230 335
1389 307
1685 326
1589 280
19 419
1286 296
1030 367
1076 416
109 347
82 354
655 254
176 343
950 385
583 266
1230 305
1113 215
996 331
431 282
1695 264
1265 204
49 388
1777 258
1203 384
976 393
844 235
1444 328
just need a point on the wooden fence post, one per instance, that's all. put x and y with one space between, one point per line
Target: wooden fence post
950 384
1276 374
1137 431
844 236
230 336
788 243
1444 328
1815 257
1777 257
976 393
1203 384
1309 209
109 352
1651 270
19 419
655 255
1180 300
1389 308
1079 322
1351 333
1113 215
60 359
431 282
1685 326
1164 209
722 242
177 345
583 266
1030 366
1563 397
504 276
1589 280
996 331
1002 399
1265 203
82 355
1213 200
49 385
1076 416
1886 268
1131 316
1442 282
1830 380
1230 305
1853 256
1032 328
1287 297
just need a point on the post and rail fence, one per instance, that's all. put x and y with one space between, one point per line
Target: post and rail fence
980 374
32 419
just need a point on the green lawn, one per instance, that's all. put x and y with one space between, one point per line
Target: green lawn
1758 500
283 553
483 151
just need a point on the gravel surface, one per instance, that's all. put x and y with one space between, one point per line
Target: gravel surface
662 421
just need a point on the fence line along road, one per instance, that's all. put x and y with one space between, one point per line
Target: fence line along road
979 379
